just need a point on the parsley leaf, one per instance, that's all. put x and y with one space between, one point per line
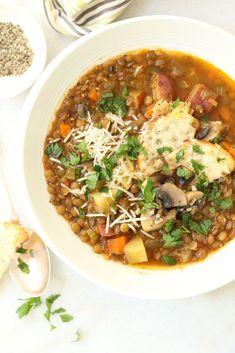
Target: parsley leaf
53 150
197 149
110 103
132 148
169 225
214 194
217 139
175 103
149 196
220 159
99 125
205 118
169 260
64 161
21 250
198 167
74 159
91 181
201 228
77 336
23 266
202 183
179 155
163 149
66 317
183 172
224 204
49 302
165 168
173 238
81 213
185 218
104 189
30 303
118 194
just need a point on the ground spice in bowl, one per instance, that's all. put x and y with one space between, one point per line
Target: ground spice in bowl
16 55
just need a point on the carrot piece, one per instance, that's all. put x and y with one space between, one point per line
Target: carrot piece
94 95
116 246
228 147
149 111
224 113
64 129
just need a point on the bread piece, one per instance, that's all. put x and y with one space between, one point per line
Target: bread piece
170 130
216 161
12 235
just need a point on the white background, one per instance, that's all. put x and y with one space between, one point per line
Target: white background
109 322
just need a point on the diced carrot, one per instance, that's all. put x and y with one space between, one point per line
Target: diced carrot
94 95
116 246
149 111
64 129
228 147
224 113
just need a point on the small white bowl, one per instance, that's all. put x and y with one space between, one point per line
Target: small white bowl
181 34
11 86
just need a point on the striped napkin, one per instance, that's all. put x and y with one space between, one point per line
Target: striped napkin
79 17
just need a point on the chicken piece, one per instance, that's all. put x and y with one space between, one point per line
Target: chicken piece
12 235
212 159
202 99
162 87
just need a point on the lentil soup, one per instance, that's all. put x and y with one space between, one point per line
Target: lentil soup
140 158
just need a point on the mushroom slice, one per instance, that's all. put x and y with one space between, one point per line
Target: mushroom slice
193 196
216 128
154 222
171 196
160 179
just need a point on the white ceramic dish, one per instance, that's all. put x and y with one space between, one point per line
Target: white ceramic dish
11 86
182 34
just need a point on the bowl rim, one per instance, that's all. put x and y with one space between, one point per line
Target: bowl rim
26 115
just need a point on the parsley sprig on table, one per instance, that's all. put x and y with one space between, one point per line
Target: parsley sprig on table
34 302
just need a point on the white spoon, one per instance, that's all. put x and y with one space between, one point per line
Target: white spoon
36 257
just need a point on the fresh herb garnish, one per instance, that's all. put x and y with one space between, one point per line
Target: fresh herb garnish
49 302
104 189
212 210
205 118
217 139
169 260
91 181
110 103
22 250
185 218
149 194
118 194
179 155
99 125
183 172
163 149
29 303
66 317
53 150
175 103
73 158
23 266
197 149
64 161
172 237
202 183
82 213
224 204
165 168
220 159
77 336
201 228
131 149
198 167
214 193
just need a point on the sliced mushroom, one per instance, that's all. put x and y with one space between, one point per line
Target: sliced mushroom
193 196
154 222
171 196
203 132
216 129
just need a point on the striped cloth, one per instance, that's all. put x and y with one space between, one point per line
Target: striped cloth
79 17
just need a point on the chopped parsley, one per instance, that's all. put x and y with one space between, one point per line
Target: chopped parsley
172 237
169 260
179 155
23 266
29 304
53 150
73 159
99 125
66 317
175 103
165 168
217 139
201 228
197 149
212 210
205 118
104 189
202 183
214 193
220 159
149 196
118 195
224 204
91 181
77 336
198 167
82 213
131 149
21 250
163 149
110 103
183 172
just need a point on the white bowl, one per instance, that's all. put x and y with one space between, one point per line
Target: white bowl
182 34
11 86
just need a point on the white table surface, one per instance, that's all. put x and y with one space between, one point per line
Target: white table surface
109 322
